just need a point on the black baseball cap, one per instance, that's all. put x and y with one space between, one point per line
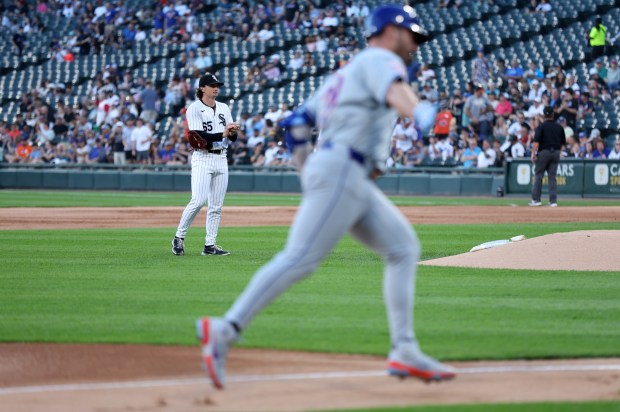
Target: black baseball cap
209 79
548 111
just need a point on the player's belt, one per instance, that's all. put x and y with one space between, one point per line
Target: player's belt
353 154
218 151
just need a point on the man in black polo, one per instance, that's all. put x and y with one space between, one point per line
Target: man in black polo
548 141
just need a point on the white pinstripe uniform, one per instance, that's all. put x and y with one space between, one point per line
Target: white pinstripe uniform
209 168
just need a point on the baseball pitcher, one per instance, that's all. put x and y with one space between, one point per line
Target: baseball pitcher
210 128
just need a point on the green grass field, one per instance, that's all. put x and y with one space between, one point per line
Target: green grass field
124 286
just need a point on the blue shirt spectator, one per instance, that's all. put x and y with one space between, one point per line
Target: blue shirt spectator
514 72
470 154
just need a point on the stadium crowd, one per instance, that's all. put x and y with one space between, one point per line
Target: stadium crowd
491 120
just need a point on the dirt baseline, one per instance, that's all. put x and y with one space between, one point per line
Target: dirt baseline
106 378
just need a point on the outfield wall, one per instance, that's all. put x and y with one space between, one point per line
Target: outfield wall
423 183
587 178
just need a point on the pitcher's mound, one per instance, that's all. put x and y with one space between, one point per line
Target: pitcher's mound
595 250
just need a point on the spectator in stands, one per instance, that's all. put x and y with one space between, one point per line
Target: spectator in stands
568 108
443 122
589 152
615 152
297 61
500 129
272 72
600 151
568 131
330 22
504 107
118 146
613 76
404 135
501 79
429 93
254 138
204 62
357 11
544 7
258 158
470 154
426 74
266 33
272 113
141 137
602 71
486 157
128 35
309 60
535 111
149 99
571 83
533 72
455 104
97 153
597 38
482 69
480 112
515 71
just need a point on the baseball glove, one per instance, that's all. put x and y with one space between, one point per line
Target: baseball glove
197 141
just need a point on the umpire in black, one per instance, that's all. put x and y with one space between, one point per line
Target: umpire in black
549 140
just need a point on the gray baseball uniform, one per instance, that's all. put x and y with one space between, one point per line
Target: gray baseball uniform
338 196
209 168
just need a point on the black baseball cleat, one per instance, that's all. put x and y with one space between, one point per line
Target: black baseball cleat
177 246
214 250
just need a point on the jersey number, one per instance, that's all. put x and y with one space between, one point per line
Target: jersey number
207 126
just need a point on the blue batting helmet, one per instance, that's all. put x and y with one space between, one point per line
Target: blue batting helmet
397 15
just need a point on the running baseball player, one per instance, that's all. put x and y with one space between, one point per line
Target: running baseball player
211 122
355 111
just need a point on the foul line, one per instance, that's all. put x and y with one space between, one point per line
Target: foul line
296 376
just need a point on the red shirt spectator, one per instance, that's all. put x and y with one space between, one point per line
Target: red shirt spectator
442 122
23 151
15 133
504 107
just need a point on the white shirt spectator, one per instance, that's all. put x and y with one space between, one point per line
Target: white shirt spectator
486 158
447 150
534 110
181 8
514 128
100 11
296 62
197 38
403 135
272 115
517 150
141 137
270 153
203 61
427 73
140 35
615 153
265 34
544 7
330 20
254 140
321 45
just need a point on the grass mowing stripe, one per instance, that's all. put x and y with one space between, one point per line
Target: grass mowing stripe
124 285
64 198
594 406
